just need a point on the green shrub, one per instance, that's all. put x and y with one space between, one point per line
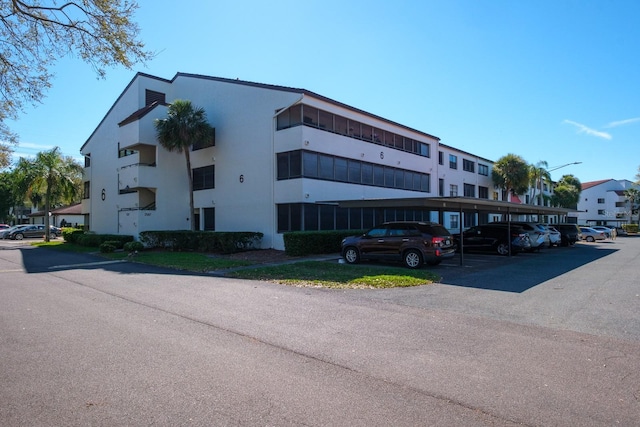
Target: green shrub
205 241
107 247
630 228
133 246
71 234
95 240
300 243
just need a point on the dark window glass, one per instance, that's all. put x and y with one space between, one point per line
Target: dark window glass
440 158
367 132
310 217
340 169
378 175
295 218
483 192
327 215
283 165
295 115
87 190
87 161
203 178
342 218
355 218
399 178
295 164
483 169
426 183
283 120
453 161
388 139
468 165
354 129
310 164
417 181
389 177
469 190
424 149
326 166
341 125
399 142
211 142
283 218
441 187
310 115
209 218
378 135
409 145
367 173
354 171
368 218
326 121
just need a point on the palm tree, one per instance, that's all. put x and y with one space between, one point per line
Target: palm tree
632 195
538 175
53 176
567 192
184 126
511 173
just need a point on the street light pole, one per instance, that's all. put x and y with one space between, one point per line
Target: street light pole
551 170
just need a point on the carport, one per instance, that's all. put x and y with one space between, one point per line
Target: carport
460 205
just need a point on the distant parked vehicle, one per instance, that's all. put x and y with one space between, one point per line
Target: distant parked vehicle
28 230
5 233
555 238
591 235
608 231
538 235
4 226
494 238
569 233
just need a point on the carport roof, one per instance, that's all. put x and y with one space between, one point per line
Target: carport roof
454 204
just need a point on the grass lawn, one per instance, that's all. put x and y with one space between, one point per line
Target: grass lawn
327 274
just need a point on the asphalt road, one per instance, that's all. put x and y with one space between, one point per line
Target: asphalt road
548 339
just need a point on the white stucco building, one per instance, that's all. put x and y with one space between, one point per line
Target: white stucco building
604 203
281 161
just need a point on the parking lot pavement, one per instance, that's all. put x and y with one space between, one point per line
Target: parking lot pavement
590 287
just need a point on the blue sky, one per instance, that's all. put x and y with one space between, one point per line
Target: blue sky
555 81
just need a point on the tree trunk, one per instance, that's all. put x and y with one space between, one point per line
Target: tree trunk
190 176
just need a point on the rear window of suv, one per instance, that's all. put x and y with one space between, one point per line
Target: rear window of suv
434 230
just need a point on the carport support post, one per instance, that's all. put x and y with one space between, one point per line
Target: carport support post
461 240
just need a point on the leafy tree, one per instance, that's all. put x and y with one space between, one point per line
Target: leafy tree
633 195
52 175
34 34
538 175
566 194
184 126
511 173
7 196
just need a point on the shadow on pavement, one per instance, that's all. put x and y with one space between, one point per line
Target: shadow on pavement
525 271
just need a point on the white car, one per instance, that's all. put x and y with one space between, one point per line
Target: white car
555 237
606 230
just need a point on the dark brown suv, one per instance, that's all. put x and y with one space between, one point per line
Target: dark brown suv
413 243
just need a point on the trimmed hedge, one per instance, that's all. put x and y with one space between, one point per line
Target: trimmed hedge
95 240
300 243
71 234
205 241
630 228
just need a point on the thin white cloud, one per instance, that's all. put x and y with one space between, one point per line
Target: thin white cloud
32 146
623 122
585 129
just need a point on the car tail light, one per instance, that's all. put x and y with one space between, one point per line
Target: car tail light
437 241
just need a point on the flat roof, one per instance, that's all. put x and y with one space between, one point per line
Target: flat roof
454 204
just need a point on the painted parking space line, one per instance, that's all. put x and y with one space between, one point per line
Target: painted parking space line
85 264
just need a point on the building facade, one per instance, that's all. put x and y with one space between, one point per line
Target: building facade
282 160
604 203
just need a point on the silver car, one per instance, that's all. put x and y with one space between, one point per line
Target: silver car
591 235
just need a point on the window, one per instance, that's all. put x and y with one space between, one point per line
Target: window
310 116
601 201
123 152
453 161
469 190
441 187
203 178
600 211
151 96
483 169
205 143
209 218
86 194
453 190
440 158
468 165
454 221
87 161
483 192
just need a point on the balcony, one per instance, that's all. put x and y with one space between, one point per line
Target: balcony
140 132
138 175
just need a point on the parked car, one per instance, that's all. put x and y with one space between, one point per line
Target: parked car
5 233
413 243
608 231
569 233
4 226
591 235
538 235
494 238
30 230
555 238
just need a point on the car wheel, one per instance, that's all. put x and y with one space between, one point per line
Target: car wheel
18 236
351 255
412 258
503 248
590 239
